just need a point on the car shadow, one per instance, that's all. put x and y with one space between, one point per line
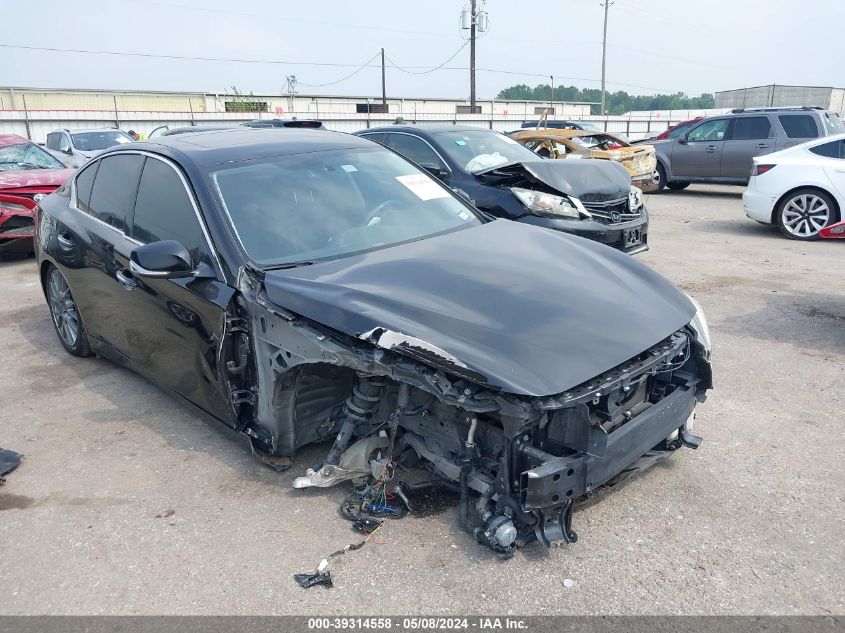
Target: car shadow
699 192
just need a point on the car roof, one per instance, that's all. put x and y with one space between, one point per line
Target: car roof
242 143
11 139
555 133
425 129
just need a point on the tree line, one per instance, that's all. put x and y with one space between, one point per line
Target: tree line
618 102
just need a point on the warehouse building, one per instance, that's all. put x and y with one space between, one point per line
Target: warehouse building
33 99
778 95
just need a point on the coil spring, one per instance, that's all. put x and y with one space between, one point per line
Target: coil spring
365 397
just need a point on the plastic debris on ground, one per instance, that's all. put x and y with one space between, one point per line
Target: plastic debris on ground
9 460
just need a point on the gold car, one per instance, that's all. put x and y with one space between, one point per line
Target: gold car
639 160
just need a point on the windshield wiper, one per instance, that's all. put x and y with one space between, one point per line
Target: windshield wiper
288 265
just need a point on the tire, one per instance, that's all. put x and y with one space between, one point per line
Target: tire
804 212
659 178
677 186
64 314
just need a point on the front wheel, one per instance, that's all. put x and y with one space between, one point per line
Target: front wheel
659 178
805 212
66 319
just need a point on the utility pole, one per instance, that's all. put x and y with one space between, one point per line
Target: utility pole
606 6
472 57
383 86
552 96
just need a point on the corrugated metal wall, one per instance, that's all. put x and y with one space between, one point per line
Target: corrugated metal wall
776 95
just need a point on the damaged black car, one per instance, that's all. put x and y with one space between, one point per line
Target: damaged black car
590 198
307 286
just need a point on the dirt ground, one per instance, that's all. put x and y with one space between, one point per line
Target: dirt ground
126 503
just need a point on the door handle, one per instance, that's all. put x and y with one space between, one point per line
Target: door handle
64 241
762 145
710 149
126 280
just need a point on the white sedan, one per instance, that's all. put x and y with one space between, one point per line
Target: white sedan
801 189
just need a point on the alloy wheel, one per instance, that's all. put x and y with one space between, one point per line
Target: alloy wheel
805 215
63 309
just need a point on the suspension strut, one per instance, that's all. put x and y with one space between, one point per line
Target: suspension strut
359 408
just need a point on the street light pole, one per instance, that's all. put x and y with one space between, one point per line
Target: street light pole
606 6
383 86
472 57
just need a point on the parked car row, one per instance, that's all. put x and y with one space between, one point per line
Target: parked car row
302 286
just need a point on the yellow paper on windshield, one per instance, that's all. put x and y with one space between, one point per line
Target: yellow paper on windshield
423 186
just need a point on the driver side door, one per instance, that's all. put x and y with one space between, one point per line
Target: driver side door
698 154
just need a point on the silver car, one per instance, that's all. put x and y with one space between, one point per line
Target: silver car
81 145
720 149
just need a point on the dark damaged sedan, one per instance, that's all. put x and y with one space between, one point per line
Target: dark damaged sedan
590 198
302 286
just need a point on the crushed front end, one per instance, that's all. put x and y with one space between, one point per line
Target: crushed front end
394 400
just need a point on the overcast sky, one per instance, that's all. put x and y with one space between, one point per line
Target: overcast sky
653 45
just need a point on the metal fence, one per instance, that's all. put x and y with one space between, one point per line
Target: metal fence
36 124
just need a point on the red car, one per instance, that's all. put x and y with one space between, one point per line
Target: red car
27 174
834 231
672 132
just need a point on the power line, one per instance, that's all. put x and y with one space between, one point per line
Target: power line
183 57
430 70
320 64
354 72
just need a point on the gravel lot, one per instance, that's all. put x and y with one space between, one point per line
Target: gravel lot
126 503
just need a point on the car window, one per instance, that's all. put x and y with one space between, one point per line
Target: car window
833 123
751 127
799 125
681 129
330 204
21 156
64 142
84 185
378 137
415 149
93 141
52 141
713 130
163 210
482 150
834 149
113 195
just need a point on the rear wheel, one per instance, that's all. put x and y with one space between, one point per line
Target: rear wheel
659 177
677 186
65 314
805 212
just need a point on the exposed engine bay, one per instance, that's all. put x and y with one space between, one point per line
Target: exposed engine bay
390 402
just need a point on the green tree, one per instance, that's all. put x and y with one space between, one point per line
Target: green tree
618 102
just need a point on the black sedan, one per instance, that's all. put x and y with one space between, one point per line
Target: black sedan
589 198
302 286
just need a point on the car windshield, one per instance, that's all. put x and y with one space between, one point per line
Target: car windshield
91 141
482 151
330 204
26 156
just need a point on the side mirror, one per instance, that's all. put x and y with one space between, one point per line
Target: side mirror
166 259
682 139
435 170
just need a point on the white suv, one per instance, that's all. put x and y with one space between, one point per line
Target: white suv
82 145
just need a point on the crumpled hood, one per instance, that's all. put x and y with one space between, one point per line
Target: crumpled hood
533 311
588 180
34 178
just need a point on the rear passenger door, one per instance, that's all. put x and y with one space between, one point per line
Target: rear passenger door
750 136
98 247
797 128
